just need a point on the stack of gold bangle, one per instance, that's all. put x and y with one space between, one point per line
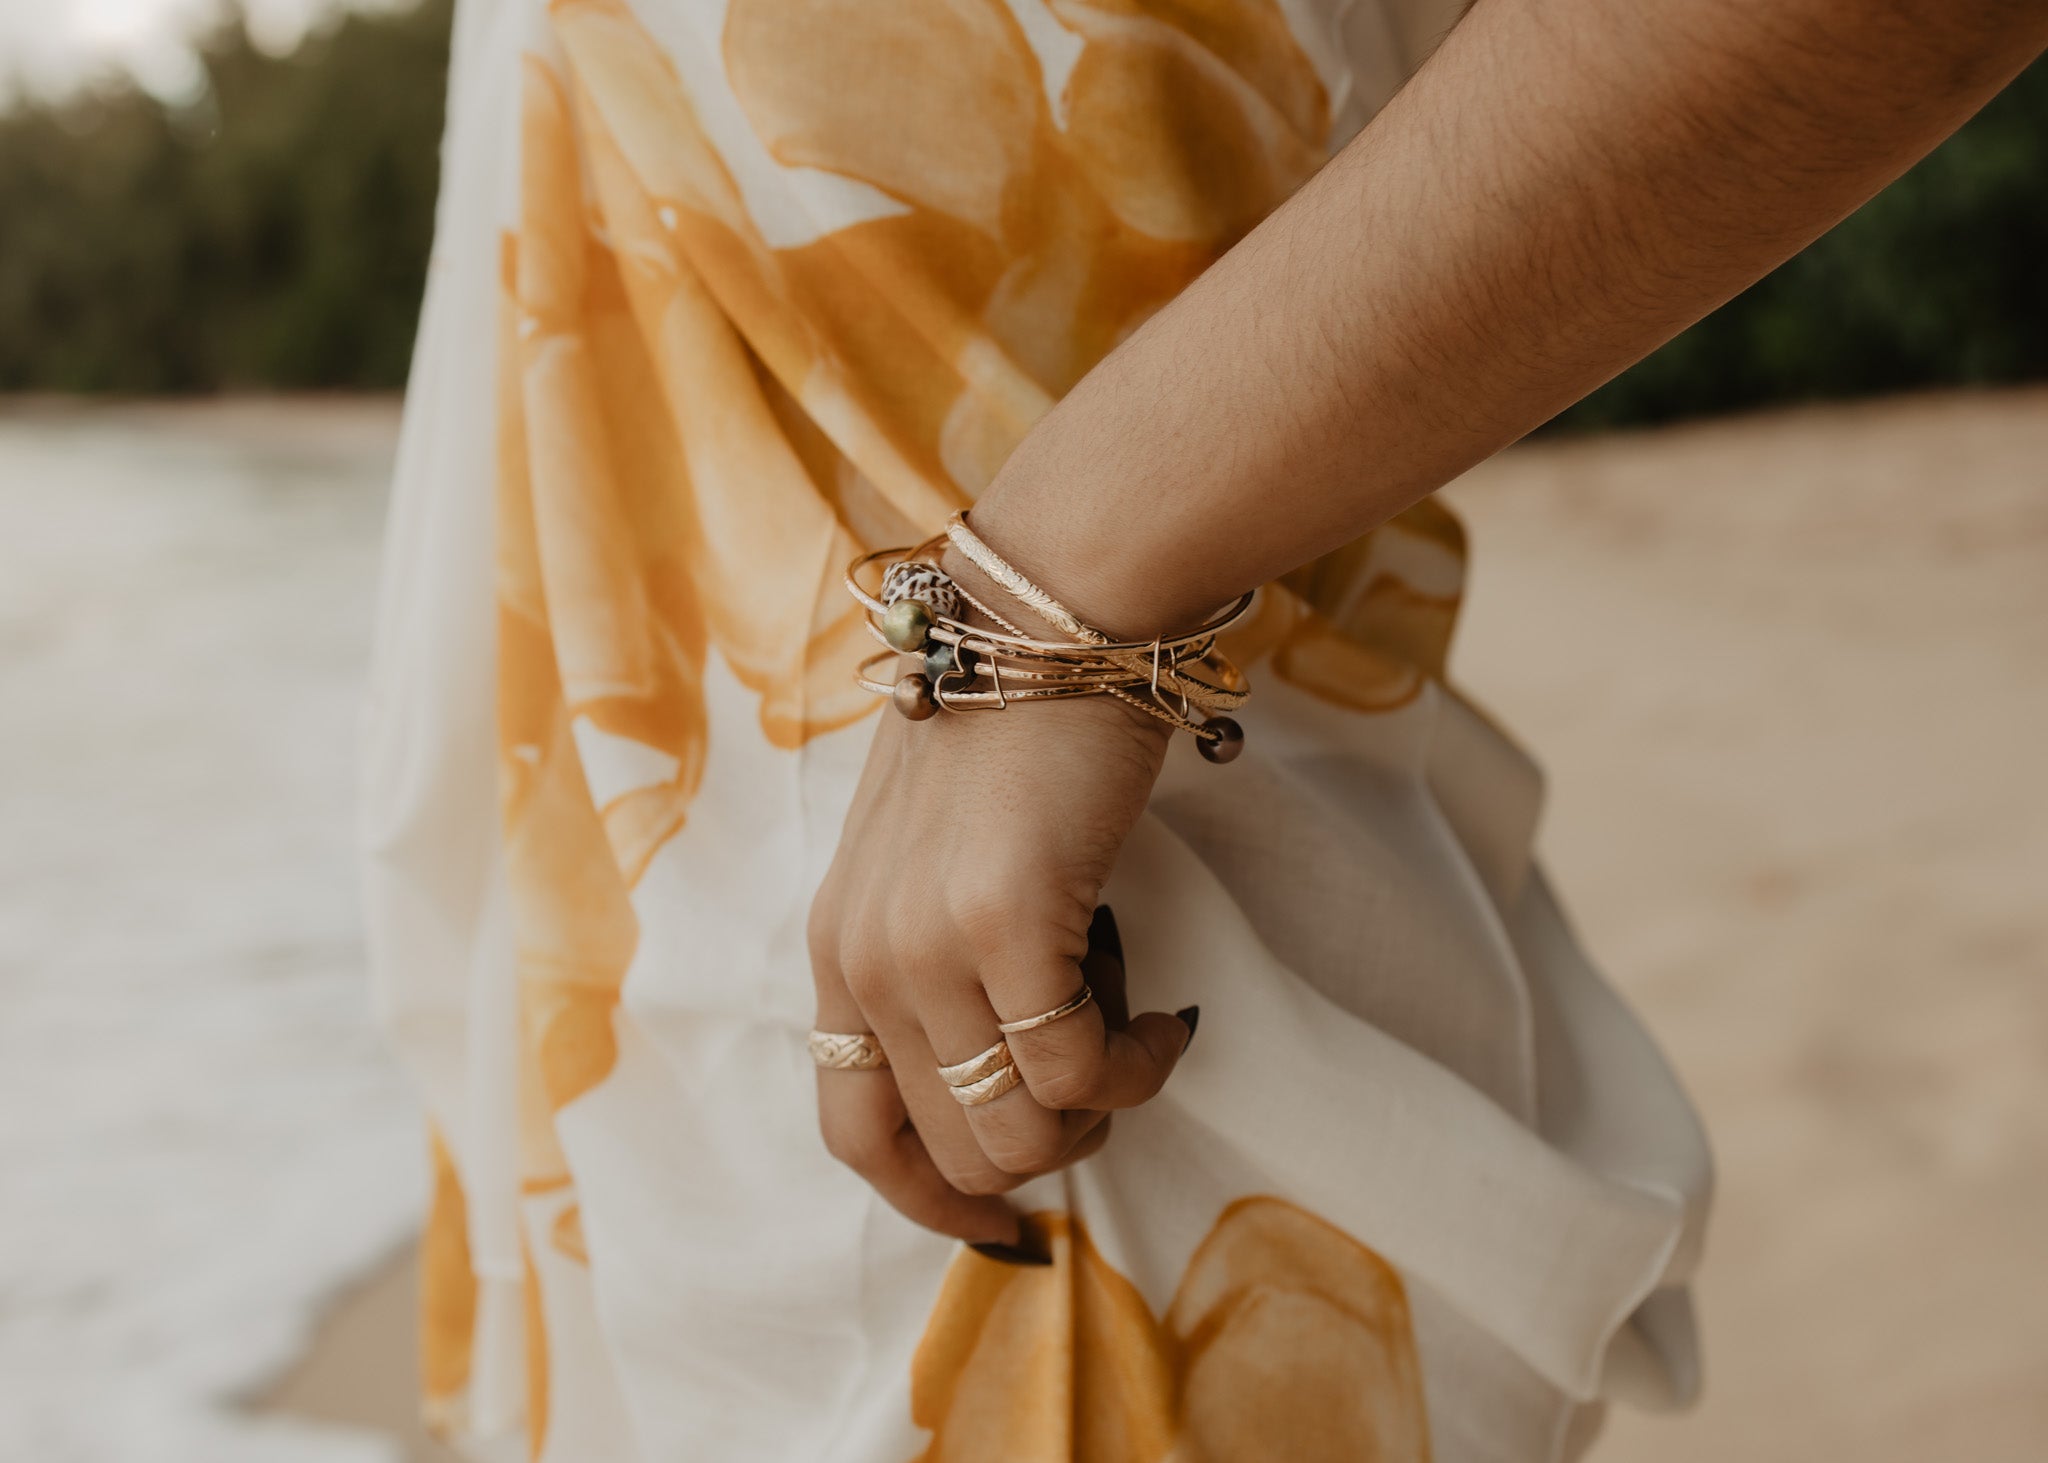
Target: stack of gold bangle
968 667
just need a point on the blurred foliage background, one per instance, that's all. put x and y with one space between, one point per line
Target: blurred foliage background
272 234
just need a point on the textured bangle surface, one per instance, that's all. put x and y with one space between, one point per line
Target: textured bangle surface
1183 680
989 562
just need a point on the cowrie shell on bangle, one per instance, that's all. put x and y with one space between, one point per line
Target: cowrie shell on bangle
908 579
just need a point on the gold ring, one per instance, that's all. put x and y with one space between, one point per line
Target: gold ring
1032 1023
989 1088
978 1066
846 1051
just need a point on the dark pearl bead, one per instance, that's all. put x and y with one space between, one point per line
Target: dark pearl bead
1229 740
913 697
906 624
941 659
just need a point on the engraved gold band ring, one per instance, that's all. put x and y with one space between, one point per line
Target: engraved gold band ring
983 1077
978 1066
846 1051
989 1074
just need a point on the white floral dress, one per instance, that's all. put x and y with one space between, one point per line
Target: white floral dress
724 293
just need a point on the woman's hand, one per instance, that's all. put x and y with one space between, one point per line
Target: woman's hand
962 895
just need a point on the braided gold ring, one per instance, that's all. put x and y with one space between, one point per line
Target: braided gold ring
846 1051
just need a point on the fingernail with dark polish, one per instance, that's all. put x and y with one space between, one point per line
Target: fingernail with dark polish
1103 936
1190 1015
1011 1254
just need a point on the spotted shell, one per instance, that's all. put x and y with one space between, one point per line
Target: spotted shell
907 579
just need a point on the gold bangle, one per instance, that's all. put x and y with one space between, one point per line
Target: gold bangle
989 562
1171 678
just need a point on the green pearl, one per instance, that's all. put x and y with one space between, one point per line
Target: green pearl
906 624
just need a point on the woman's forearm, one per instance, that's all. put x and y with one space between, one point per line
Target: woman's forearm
1564 186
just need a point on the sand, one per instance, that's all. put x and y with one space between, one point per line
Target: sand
1790 677
363 1370
201 1133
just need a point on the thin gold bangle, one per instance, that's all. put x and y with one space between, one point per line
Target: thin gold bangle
989 562
1222 621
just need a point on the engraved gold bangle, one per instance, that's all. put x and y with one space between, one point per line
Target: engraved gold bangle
1224 619
989 562
1182 680
1046 1018
846 1051
977 1067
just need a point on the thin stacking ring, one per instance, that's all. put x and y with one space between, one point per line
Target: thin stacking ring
1032 1023
977 1067
988 1089
846 1051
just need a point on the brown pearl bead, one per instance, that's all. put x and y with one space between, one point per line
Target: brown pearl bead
1228 742
913 697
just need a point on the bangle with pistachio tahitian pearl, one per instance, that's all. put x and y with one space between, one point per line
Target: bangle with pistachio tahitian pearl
1183 680
907 624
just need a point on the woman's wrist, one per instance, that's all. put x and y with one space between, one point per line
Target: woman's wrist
1114 581
1135 500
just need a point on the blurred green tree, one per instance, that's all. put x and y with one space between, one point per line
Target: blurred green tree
274 234
1934 282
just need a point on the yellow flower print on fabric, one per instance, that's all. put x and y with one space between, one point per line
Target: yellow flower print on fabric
448 1291
698 430
1287 1342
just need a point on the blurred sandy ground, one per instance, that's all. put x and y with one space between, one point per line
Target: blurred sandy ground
1790 679
200 1134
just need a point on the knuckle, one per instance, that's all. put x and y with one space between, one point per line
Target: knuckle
1066 1089
989 918
821 931
864 964
1022 1155
857 1145
865 980
985 1183
979 1180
